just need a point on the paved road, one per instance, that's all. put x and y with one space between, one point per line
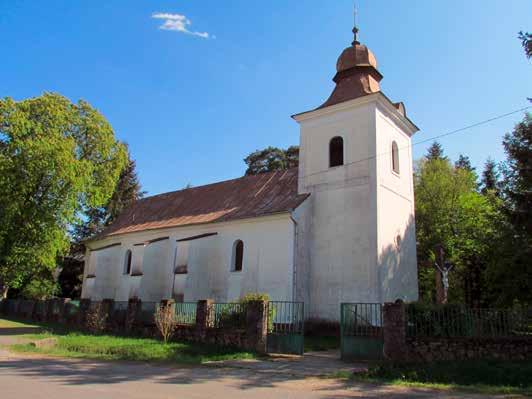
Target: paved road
24 377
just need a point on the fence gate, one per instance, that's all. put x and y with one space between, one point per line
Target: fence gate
285 327
361 331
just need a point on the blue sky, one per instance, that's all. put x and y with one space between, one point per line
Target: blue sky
192 100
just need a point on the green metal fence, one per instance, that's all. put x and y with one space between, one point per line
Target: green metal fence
459 321
72 307
361 334
229 315
185 312
286 327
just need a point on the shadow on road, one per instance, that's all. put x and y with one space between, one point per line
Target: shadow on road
19 330
86 372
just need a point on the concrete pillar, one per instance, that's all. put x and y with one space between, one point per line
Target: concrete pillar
108 310
204 317
62 315
394 331
168 302
257 325
84 308
133 309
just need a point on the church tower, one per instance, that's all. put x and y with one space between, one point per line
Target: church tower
356 237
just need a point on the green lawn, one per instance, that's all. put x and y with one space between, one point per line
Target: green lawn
106 347
489 376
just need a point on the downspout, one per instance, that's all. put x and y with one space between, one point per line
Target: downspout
294 260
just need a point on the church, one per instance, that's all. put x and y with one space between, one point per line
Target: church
338 228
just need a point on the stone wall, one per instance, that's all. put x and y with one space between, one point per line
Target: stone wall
128 321
504 348
400 347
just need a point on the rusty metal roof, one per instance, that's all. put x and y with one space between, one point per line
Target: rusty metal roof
245 197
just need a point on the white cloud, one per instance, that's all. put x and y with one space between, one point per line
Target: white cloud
179 23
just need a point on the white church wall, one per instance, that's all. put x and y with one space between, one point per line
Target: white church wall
267 263
156 270
107 276
396 233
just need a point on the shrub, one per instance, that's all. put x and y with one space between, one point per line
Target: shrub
96 319
165 320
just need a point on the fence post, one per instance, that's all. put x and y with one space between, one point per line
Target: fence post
257 325
204 317
108 305
133 308
62 305
394 331
48 314
84 307
168 303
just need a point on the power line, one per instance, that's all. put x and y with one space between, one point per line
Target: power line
485 121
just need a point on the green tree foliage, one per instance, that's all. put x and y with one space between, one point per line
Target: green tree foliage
513 279
126 192
270 159
490 178
464 162
94 220
450 212
435 151
56 159
526 41
40 286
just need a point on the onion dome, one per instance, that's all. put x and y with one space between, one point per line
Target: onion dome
356 74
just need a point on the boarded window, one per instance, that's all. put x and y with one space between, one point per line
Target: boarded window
127 262
181 266
395 157
336 151
238 255
137 259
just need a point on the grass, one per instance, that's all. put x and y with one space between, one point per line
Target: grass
321 343
107 347
14 324
487 377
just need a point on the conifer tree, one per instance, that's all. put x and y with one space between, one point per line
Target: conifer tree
435 151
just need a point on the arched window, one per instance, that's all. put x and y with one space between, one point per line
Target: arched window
238 255
336 151
127 262
395 157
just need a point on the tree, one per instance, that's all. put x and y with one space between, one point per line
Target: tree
526 41
464 162
56 158
270 159
518 175
514 278
451 213
435 151
490 178
127 191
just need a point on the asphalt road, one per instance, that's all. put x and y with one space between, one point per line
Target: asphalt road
37 377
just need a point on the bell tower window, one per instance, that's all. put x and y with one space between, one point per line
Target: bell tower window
336 151
395 157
